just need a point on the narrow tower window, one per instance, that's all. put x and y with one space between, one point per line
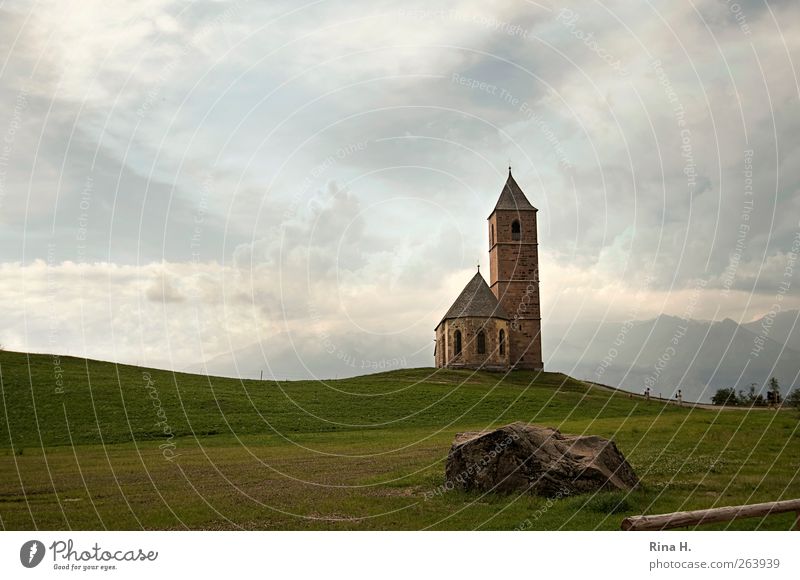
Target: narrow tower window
515 230
481 342
491 236
502 342
457 340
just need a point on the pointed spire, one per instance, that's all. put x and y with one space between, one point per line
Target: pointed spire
512 196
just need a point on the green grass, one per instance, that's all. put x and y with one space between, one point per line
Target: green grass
80 449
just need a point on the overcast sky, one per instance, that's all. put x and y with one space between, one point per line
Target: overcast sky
183 180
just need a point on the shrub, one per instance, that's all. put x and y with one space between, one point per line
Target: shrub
725 397
751 398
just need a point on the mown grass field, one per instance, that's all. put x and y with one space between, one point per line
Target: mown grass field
83 447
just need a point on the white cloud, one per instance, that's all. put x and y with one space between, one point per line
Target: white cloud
209 128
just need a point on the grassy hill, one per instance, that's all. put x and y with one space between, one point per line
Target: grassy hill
88 444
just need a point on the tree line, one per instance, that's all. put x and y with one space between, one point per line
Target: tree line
753 398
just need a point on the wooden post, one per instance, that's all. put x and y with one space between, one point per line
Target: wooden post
709 516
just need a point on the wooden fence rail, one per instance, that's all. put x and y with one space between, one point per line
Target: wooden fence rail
709 516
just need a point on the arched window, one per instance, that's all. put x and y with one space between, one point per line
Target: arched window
491 236
457 340
516 231
481 342
502 342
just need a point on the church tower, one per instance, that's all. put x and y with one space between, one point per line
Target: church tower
514 273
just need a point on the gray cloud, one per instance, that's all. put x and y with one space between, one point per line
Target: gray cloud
333 167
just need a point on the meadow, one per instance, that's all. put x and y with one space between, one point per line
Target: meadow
95 445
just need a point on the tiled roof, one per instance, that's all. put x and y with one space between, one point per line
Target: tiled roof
476 299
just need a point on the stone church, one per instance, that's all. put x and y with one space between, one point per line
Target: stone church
497 326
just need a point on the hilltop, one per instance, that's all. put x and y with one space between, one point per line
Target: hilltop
114 403
708 355
84 447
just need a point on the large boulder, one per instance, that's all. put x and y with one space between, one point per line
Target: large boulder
537 460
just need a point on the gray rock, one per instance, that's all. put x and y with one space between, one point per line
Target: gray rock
537 460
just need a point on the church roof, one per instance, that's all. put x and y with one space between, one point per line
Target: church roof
476 299
512 197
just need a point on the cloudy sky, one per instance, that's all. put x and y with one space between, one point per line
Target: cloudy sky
307 184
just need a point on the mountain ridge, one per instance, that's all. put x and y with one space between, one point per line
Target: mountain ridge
669 353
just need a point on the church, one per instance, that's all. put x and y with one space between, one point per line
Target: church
497 326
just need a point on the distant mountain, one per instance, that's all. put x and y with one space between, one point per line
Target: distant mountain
668 353
783 328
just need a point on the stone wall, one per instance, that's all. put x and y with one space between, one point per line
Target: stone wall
514 279
511 259
469 357
526 344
